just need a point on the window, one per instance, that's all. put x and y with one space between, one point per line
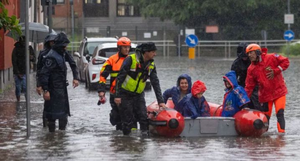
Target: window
96 8
93 1
108 52
60 1
90 47
126 10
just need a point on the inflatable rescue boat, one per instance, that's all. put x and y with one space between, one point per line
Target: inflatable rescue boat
167 122
170 123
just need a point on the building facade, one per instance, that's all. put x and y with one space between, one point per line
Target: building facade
109 18
6 47
16 7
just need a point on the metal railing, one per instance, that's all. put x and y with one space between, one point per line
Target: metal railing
222 48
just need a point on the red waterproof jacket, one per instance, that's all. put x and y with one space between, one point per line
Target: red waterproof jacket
269 89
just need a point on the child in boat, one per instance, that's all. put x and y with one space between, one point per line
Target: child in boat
177 93
195 104
235 97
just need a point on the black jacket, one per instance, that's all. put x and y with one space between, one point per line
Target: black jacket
52 78
68 58
240 66
39 64
19 58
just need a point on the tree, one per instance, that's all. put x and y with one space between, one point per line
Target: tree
237 19
9 23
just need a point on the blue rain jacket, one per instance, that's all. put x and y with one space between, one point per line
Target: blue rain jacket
234 98
174 93
194 107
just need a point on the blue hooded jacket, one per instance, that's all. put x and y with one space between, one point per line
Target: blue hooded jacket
234 98
195 107
174 93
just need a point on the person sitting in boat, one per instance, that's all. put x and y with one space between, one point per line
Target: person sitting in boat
235 97
195 104
184 84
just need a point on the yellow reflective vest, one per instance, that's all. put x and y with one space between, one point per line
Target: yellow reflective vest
138 84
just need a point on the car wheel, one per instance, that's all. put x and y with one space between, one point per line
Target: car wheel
86 84
86 81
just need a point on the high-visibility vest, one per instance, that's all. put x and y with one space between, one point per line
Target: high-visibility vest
136 85
115 61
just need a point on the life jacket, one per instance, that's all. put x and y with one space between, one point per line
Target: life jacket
137 84
115 61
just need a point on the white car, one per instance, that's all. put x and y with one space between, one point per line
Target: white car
100 55
87 46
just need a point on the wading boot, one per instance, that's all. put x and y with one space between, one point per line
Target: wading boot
126 130
63 123
134 126
119 126
51 125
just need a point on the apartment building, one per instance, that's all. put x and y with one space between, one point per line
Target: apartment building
109 18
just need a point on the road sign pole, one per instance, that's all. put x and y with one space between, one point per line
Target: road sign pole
191 53
289 27
288 36
192 42
27 69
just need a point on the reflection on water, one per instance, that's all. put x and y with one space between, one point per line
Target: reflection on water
269 146
89 135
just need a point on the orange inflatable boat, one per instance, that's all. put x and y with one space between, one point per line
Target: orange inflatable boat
165 122
170 123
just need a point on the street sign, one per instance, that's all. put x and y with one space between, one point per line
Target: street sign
191 40
289 18
288 35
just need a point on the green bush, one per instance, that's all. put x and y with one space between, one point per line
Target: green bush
294 49
9 23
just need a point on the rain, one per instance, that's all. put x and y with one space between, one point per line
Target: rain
89 134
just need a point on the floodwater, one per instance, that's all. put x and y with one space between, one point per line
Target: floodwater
89 135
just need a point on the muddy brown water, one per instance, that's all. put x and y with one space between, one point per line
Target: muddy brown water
89 135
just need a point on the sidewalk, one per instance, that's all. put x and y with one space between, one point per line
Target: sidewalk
8 94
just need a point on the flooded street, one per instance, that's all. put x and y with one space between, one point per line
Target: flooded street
89 135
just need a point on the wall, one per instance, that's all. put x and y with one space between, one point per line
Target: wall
7 43
6 47
62 18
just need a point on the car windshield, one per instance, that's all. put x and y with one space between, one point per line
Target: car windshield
111 51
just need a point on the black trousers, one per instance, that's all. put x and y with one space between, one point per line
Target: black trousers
132 109
115 117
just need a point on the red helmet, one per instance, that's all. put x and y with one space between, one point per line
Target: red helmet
253 47
124 41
